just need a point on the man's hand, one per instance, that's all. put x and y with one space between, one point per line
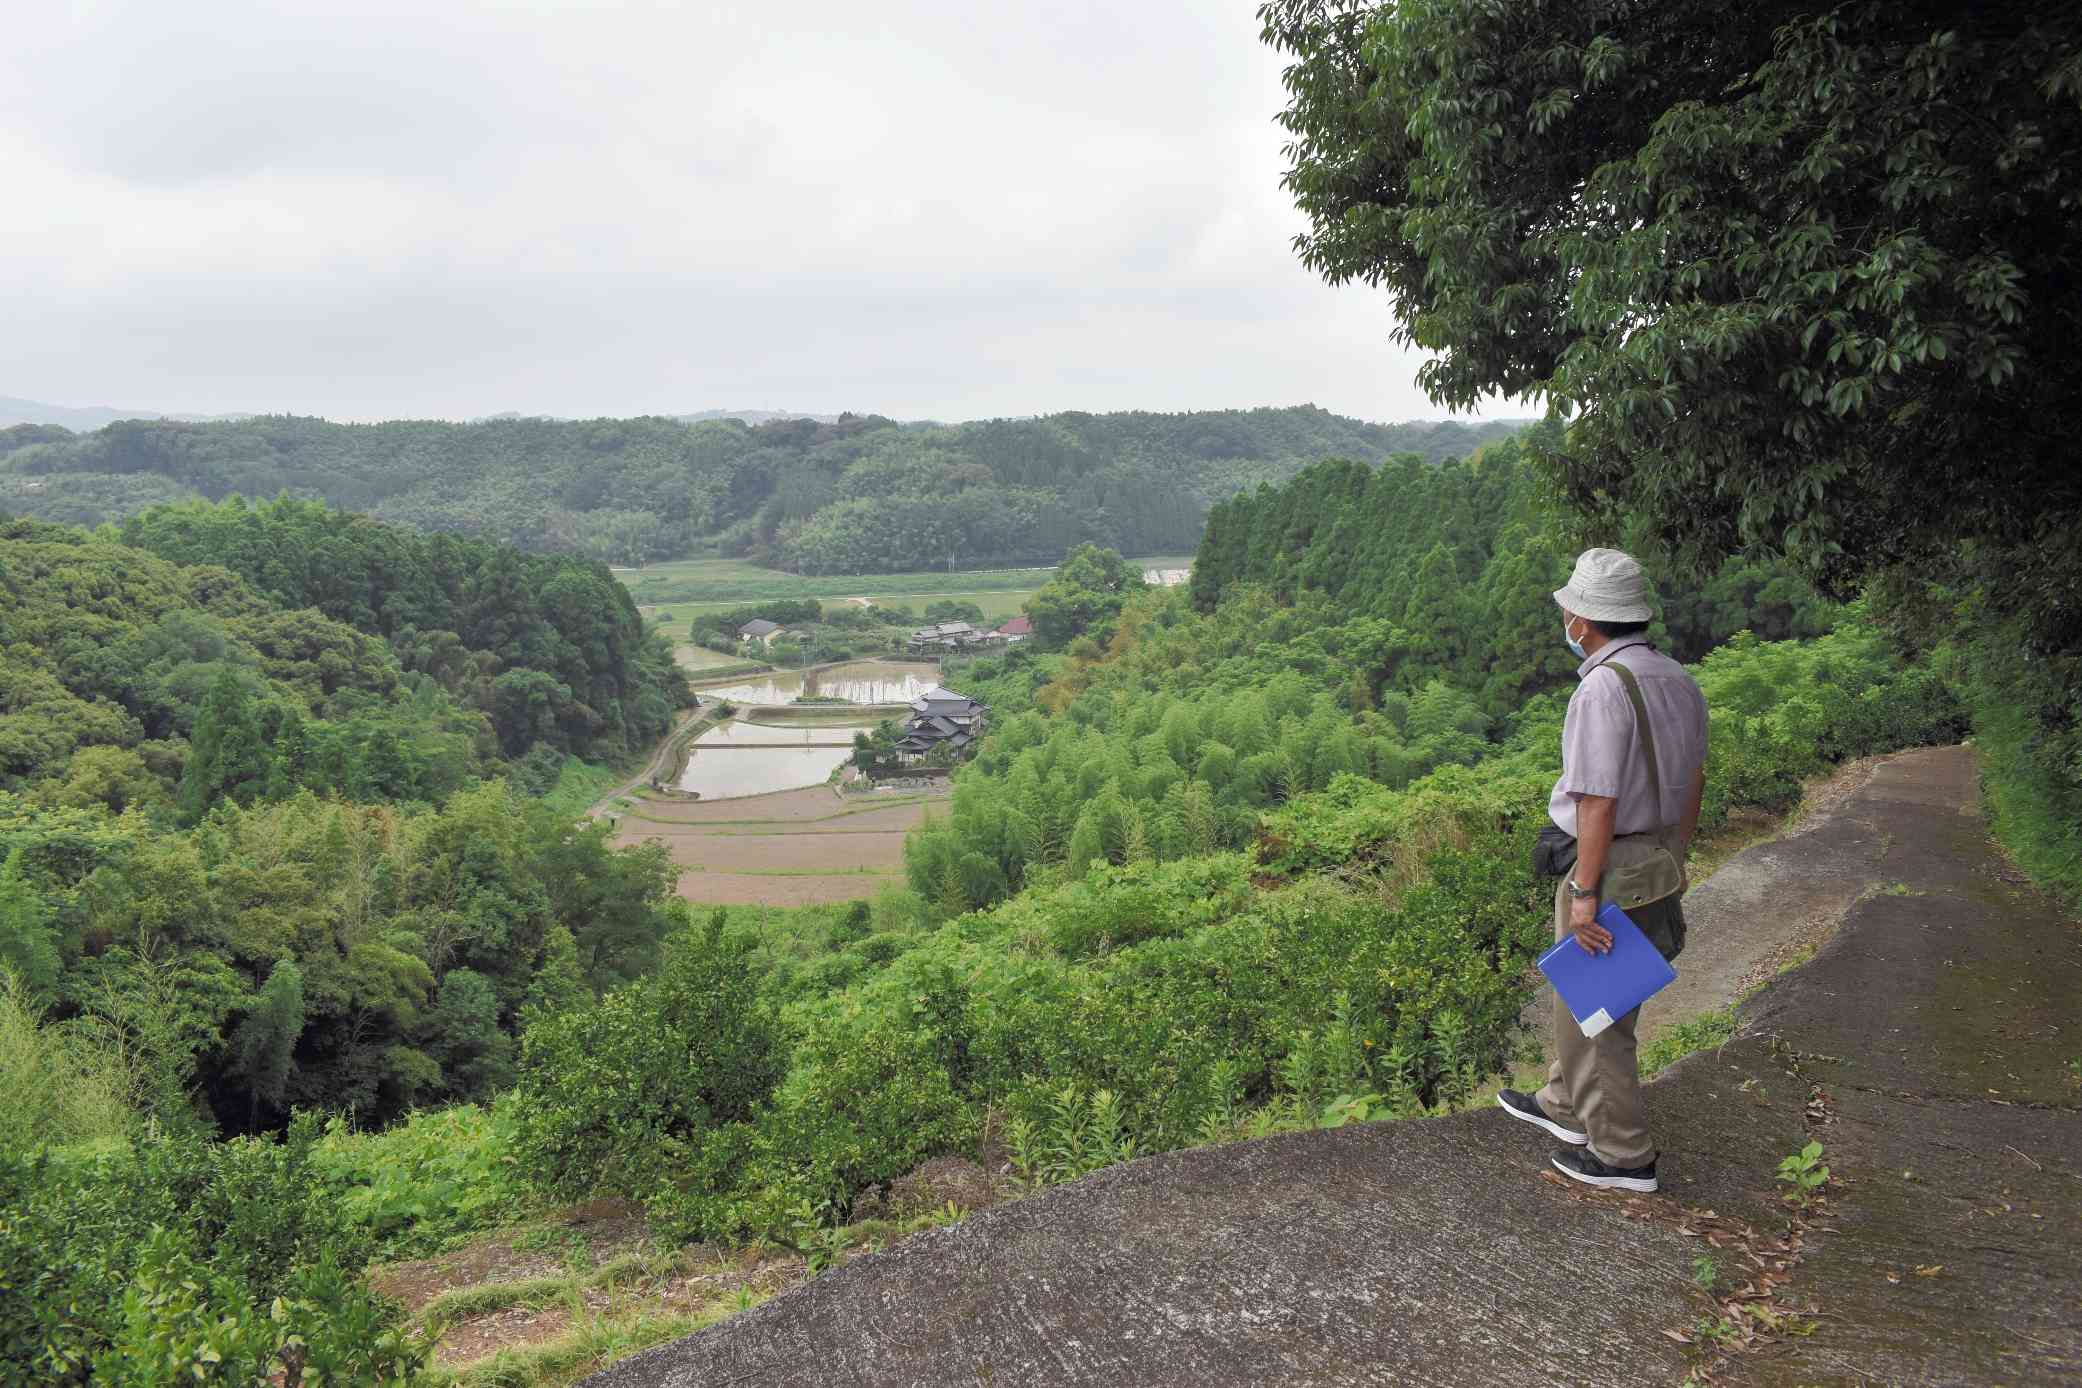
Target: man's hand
1583 924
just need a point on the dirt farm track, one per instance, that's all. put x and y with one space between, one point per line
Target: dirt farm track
790 848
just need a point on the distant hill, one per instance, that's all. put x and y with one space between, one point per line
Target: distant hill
83 417
698 417
851 494
752 416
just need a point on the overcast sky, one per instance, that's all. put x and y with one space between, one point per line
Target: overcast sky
372 209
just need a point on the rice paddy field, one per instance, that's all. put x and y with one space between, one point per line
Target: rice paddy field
700 661
686 586
799 847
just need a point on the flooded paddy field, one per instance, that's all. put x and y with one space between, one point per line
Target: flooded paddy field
856 681
738 759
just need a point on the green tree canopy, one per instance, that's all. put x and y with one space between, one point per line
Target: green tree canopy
1800 275
226 756
1087 589
264 1044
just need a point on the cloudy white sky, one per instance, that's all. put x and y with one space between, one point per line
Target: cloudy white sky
372 209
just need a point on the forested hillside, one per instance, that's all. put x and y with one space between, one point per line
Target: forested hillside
129 681
551 649
861 494
272 864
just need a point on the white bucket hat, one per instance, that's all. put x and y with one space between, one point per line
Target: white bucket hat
1608 586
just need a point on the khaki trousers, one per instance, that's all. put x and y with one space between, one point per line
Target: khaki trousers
1594 1084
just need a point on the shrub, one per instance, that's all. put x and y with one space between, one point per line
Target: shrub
2027 719
183 1323
878 949
97 1251
871 1097
615 1097
422 1183
854 926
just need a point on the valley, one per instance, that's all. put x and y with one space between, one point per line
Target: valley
1020 887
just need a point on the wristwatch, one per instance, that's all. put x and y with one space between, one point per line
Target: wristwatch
1577 893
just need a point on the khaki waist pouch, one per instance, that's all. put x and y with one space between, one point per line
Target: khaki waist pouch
1640 870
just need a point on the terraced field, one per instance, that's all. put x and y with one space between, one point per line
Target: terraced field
791 848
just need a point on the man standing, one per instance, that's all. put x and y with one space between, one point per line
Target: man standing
1633 772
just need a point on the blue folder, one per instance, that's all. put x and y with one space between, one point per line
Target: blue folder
1599 989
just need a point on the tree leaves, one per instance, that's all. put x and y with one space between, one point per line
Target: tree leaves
1724 242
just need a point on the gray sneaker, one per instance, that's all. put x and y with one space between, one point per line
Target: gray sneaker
1585 1166
1527 1108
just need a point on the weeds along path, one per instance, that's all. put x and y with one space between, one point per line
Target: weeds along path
1929 1047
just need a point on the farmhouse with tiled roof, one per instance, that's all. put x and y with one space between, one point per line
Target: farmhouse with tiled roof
944 636
940 718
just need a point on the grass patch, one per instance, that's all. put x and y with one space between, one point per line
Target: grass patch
816 715
2028 748
1703 1032
1744 829
579 784
703 663
452 1308
591 1344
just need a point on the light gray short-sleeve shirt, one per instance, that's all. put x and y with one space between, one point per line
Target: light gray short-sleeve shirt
1601 752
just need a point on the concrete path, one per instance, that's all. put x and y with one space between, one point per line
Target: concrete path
1927 1046
605 804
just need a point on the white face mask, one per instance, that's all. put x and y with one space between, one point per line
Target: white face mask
1575 646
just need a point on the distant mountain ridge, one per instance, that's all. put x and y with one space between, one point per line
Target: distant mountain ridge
82 419
753 416
698 417
78 418
858 493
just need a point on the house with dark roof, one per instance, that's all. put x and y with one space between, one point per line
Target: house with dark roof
760 630
940 718
944 636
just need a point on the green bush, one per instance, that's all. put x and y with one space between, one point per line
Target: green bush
97 1254
870 1098
854 926
616 1097
882 946
182 1323
2027 720
1787 710
425 1182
